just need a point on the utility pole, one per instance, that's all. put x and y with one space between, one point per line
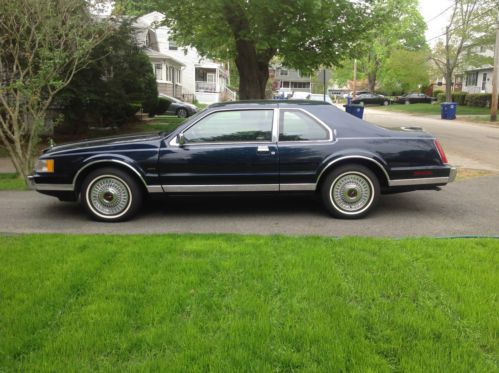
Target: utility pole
495 76
324 80
354 78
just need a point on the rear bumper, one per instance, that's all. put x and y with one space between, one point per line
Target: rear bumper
441 180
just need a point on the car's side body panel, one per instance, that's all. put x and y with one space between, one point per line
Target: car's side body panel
401 158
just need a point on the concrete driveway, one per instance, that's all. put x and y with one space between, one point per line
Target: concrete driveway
466 207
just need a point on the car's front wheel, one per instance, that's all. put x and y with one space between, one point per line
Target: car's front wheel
110 194
385 103
350 191
182 113
407 102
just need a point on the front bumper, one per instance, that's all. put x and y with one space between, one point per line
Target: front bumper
32 184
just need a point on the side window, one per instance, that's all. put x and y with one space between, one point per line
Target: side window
295 125
232 126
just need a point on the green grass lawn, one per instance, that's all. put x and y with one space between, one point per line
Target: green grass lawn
230 303
433 109
10 181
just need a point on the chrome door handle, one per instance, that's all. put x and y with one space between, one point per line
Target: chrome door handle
263 149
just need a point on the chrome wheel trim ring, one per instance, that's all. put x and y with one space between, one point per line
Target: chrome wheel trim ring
351 193
109 196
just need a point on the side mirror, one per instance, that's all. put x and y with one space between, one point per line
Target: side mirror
181 139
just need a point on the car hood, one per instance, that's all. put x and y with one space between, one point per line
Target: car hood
104 141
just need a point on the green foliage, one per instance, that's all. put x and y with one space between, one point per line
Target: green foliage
110 89
436 92
398 78
479 99
233 303
459 97
441 97
162 105
11 181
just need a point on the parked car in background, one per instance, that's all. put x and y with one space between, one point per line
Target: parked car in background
371 99
179 108
248 147
415 98
320 97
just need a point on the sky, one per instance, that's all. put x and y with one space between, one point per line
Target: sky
431 9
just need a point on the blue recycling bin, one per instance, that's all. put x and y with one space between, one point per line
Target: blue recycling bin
448 110
355 110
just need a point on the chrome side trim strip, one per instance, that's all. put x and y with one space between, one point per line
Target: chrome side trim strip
54 187
108 161
354 157
297 187
221 188
155 189
420 181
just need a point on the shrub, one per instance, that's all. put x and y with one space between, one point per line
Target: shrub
162 105
478 99
436 92
459 97
441 97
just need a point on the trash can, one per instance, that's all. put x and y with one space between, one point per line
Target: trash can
448 110
355 110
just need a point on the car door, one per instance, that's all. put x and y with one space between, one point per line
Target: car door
304 142
225 150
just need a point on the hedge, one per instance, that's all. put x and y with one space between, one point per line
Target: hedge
162 105
459 97
478 99
436 92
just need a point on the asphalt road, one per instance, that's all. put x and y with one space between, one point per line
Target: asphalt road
468 207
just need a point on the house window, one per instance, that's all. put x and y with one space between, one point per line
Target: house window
472 78
283 72
158 71
484 81
179 77
300 85
285 84
172 45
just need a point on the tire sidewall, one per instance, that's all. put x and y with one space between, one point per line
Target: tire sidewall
334 176
184 111
134 194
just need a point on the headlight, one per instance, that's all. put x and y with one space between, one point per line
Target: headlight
45 165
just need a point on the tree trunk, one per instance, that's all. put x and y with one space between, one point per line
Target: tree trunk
253 71
371 81
448 86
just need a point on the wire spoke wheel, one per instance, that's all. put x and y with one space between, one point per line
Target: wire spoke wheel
109 196
351 192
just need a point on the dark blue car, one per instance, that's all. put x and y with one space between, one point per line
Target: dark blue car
244 147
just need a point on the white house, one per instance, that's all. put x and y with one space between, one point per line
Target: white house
479 79
181 71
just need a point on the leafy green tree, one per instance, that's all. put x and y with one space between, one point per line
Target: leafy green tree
399 25
114 86
398 78
43 45
305 34
470 22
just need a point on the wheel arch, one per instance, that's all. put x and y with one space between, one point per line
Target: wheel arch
93 165
374 165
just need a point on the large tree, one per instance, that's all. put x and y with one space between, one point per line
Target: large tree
305 34
43 44
399 25
469 22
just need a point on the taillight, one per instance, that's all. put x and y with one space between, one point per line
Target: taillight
441 152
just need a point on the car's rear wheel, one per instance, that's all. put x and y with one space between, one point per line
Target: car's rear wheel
110 194
350 191
385 103
182 113
407 102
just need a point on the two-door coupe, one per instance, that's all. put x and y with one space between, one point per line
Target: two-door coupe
244 147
